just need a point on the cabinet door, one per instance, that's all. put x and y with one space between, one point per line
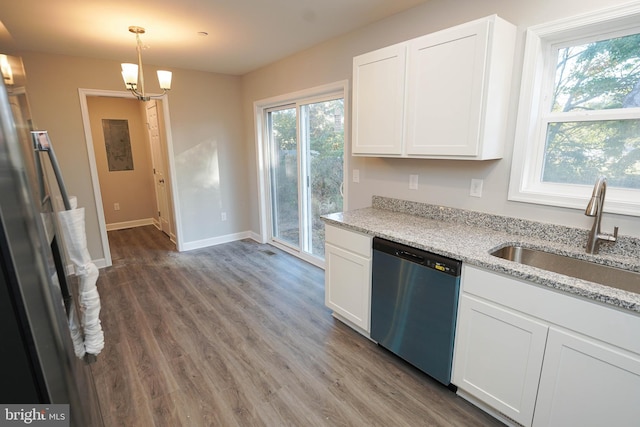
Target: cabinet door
445 78
585 382
378 101
348 285
498 357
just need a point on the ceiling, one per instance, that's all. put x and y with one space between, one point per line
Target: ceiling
243 35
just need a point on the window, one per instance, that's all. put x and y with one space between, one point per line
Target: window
579 114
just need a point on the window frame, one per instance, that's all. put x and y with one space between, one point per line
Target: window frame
534 113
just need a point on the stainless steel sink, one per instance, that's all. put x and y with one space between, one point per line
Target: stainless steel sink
578 268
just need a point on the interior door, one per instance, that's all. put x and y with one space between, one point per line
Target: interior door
159 172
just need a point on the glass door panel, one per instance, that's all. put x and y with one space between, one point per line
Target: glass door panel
322 137
284 176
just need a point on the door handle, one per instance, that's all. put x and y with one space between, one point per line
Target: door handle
161 181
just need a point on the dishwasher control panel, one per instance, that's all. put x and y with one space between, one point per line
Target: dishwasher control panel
445 268
437 262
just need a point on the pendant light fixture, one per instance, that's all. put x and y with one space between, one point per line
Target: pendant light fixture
134 76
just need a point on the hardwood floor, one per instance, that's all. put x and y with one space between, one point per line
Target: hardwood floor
238 335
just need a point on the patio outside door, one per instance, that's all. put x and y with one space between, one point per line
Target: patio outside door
306 150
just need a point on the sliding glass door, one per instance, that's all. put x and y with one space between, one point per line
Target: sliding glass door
306 157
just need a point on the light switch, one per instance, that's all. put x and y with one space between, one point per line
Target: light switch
356 175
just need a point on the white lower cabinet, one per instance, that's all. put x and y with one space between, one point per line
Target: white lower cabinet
499 357
348 275
585 382
544 358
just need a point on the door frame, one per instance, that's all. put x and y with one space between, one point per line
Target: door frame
262 155
97 194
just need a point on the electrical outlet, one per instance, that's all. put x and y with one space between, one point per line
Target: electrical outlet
413 182
476 188
223 216
116 206
356 175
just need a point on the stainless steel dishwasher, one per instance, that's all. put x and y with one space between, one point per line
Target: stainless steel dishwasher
414 301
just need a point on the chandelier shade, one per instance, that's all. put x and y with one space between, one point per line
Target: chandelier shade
164 78
130 75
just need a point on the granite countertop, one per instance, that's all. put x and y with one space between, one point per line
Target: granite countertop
470 237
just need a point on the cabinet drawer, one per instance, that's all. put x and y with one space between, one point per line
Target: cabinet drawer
350 240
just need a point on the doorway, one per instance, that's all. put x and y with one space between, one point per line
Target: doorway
155 137
302 143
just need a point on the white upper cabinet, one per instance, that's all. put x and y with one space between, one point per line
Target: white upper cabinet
455 95
378 101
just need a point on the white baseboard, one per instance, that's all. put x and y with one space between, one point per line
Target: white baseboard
199 244
130 224
255 236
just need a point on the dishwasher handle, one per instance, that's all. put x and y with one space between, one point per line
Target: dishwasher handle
409 256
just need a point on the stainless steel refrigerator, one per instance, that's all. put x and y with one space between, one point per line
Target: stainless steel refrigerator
37 360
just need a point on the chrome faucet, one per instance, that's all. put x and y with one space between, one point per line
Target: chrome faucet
594 208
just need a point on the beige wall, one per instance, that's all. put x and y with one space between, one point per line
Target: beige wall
134 189
204 121
441 181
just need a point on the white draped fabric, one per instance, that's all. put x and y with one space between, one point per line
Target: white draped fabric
72 223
